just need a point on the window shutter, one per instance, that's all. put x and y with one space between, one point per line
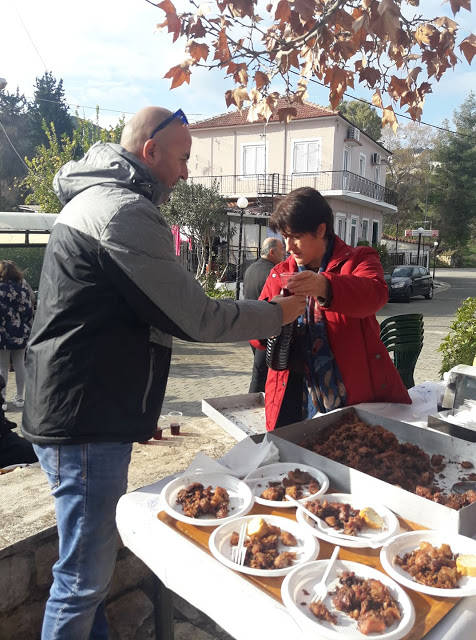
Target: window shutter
312 157
300 157
248 161
260 160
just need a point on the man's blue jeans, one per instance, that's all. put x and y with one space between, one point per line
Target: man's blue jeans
86 481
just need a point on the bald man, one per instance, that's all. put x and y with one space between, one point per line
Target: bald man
95 383
272 252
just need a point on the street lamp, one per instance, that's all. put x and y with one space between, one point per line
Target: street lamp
242 203
435 244
420 231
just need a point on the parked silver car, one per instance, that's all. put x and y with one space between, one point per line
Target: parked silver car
407 281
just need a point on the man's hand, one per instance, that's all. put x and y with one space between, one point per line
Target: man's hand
292 307
308 283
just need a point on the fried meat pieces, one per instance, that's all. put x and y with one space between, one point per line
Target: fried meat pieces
367 601
291 485
377 452
431 566
338 515
262 551
196 500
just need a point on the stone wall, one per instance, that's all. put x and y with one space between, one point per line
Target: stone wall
25 580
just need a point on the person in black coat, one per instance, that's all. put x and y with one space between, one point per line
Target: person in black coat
13 448
272 252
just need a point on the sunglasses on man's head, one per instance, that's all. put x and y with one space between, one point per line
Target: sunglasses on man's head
178 114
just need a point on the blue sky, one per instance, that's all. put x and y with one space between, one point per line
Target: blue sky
109 53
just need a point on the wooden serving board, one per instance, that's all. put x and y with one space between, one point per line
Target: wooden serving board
429 610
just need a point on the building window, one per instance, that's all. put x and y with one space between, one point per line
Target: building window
346 164
362 163
374 231
253 159
341 226
365 229
306 156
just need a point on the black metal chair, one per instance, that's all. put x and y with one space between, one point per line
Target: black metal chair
403 337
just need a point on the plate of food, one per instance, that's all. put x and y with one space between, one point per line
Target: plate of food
206 499
271 483
432 563
274 545
349 521
379 606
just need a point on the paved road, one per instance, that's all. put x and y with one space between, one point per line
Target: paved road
208 371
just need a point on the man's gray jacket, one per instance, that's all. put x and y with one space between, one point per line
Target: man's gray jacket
109 274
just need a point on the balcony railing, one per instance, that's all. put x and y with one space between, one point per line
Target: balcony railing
274 184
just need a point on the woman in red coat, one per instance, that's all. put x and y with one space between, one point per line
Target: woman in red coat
337 358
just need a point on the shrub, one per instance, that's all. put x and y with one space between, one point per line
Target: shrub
459 346
208 282
384 256
28 259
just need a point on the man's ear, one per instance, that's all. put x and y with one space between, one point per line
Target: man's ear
150 152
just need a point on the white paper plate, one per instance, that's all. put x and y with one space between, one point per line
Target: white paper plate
361 540
307 546
241 497
408 542
276 472
296 592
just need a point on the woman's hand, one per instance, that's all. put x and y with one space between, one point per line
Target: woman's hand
308 283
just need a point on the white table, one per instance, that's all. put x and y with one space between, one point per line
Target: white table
239 607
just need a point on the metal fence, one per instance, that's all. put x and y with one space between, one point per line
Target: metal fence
277 184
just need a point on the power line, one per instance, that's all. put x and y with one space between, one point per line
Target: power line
31 40
12 145
400 115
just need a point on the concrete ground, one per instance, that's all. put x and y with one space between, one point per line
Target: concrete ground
198 371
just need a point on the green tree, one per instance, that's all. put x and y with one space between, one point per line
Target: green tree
15 144
50 157
202 211
49 107
362 116
459 346
408 174
453 180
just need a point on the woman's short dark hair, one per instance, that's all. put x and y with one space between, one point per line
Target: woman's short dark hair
302 211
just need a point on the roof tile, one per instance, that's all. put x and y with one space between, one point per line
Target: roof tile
304 111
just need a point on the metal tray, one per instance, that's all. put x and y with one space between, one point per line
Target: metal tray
240 415
404 503
445 426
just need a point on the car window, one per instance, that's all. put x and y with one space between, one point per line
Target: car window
423 271
402 272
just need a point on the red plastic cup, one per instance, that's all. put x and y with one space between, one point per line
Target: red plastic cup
175 418
284 280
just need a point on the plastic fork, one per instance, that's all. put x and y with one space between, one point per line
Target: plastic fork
238 553
320 589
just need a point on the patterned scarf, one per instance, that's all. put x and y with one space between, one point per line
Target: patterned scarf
323 386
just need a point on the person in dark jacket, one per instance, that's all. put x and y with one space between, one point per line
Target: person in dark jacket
13 448
272 252
109 275
16 317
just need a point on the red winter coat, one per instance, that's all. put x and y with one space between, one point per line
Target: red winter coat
358 292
